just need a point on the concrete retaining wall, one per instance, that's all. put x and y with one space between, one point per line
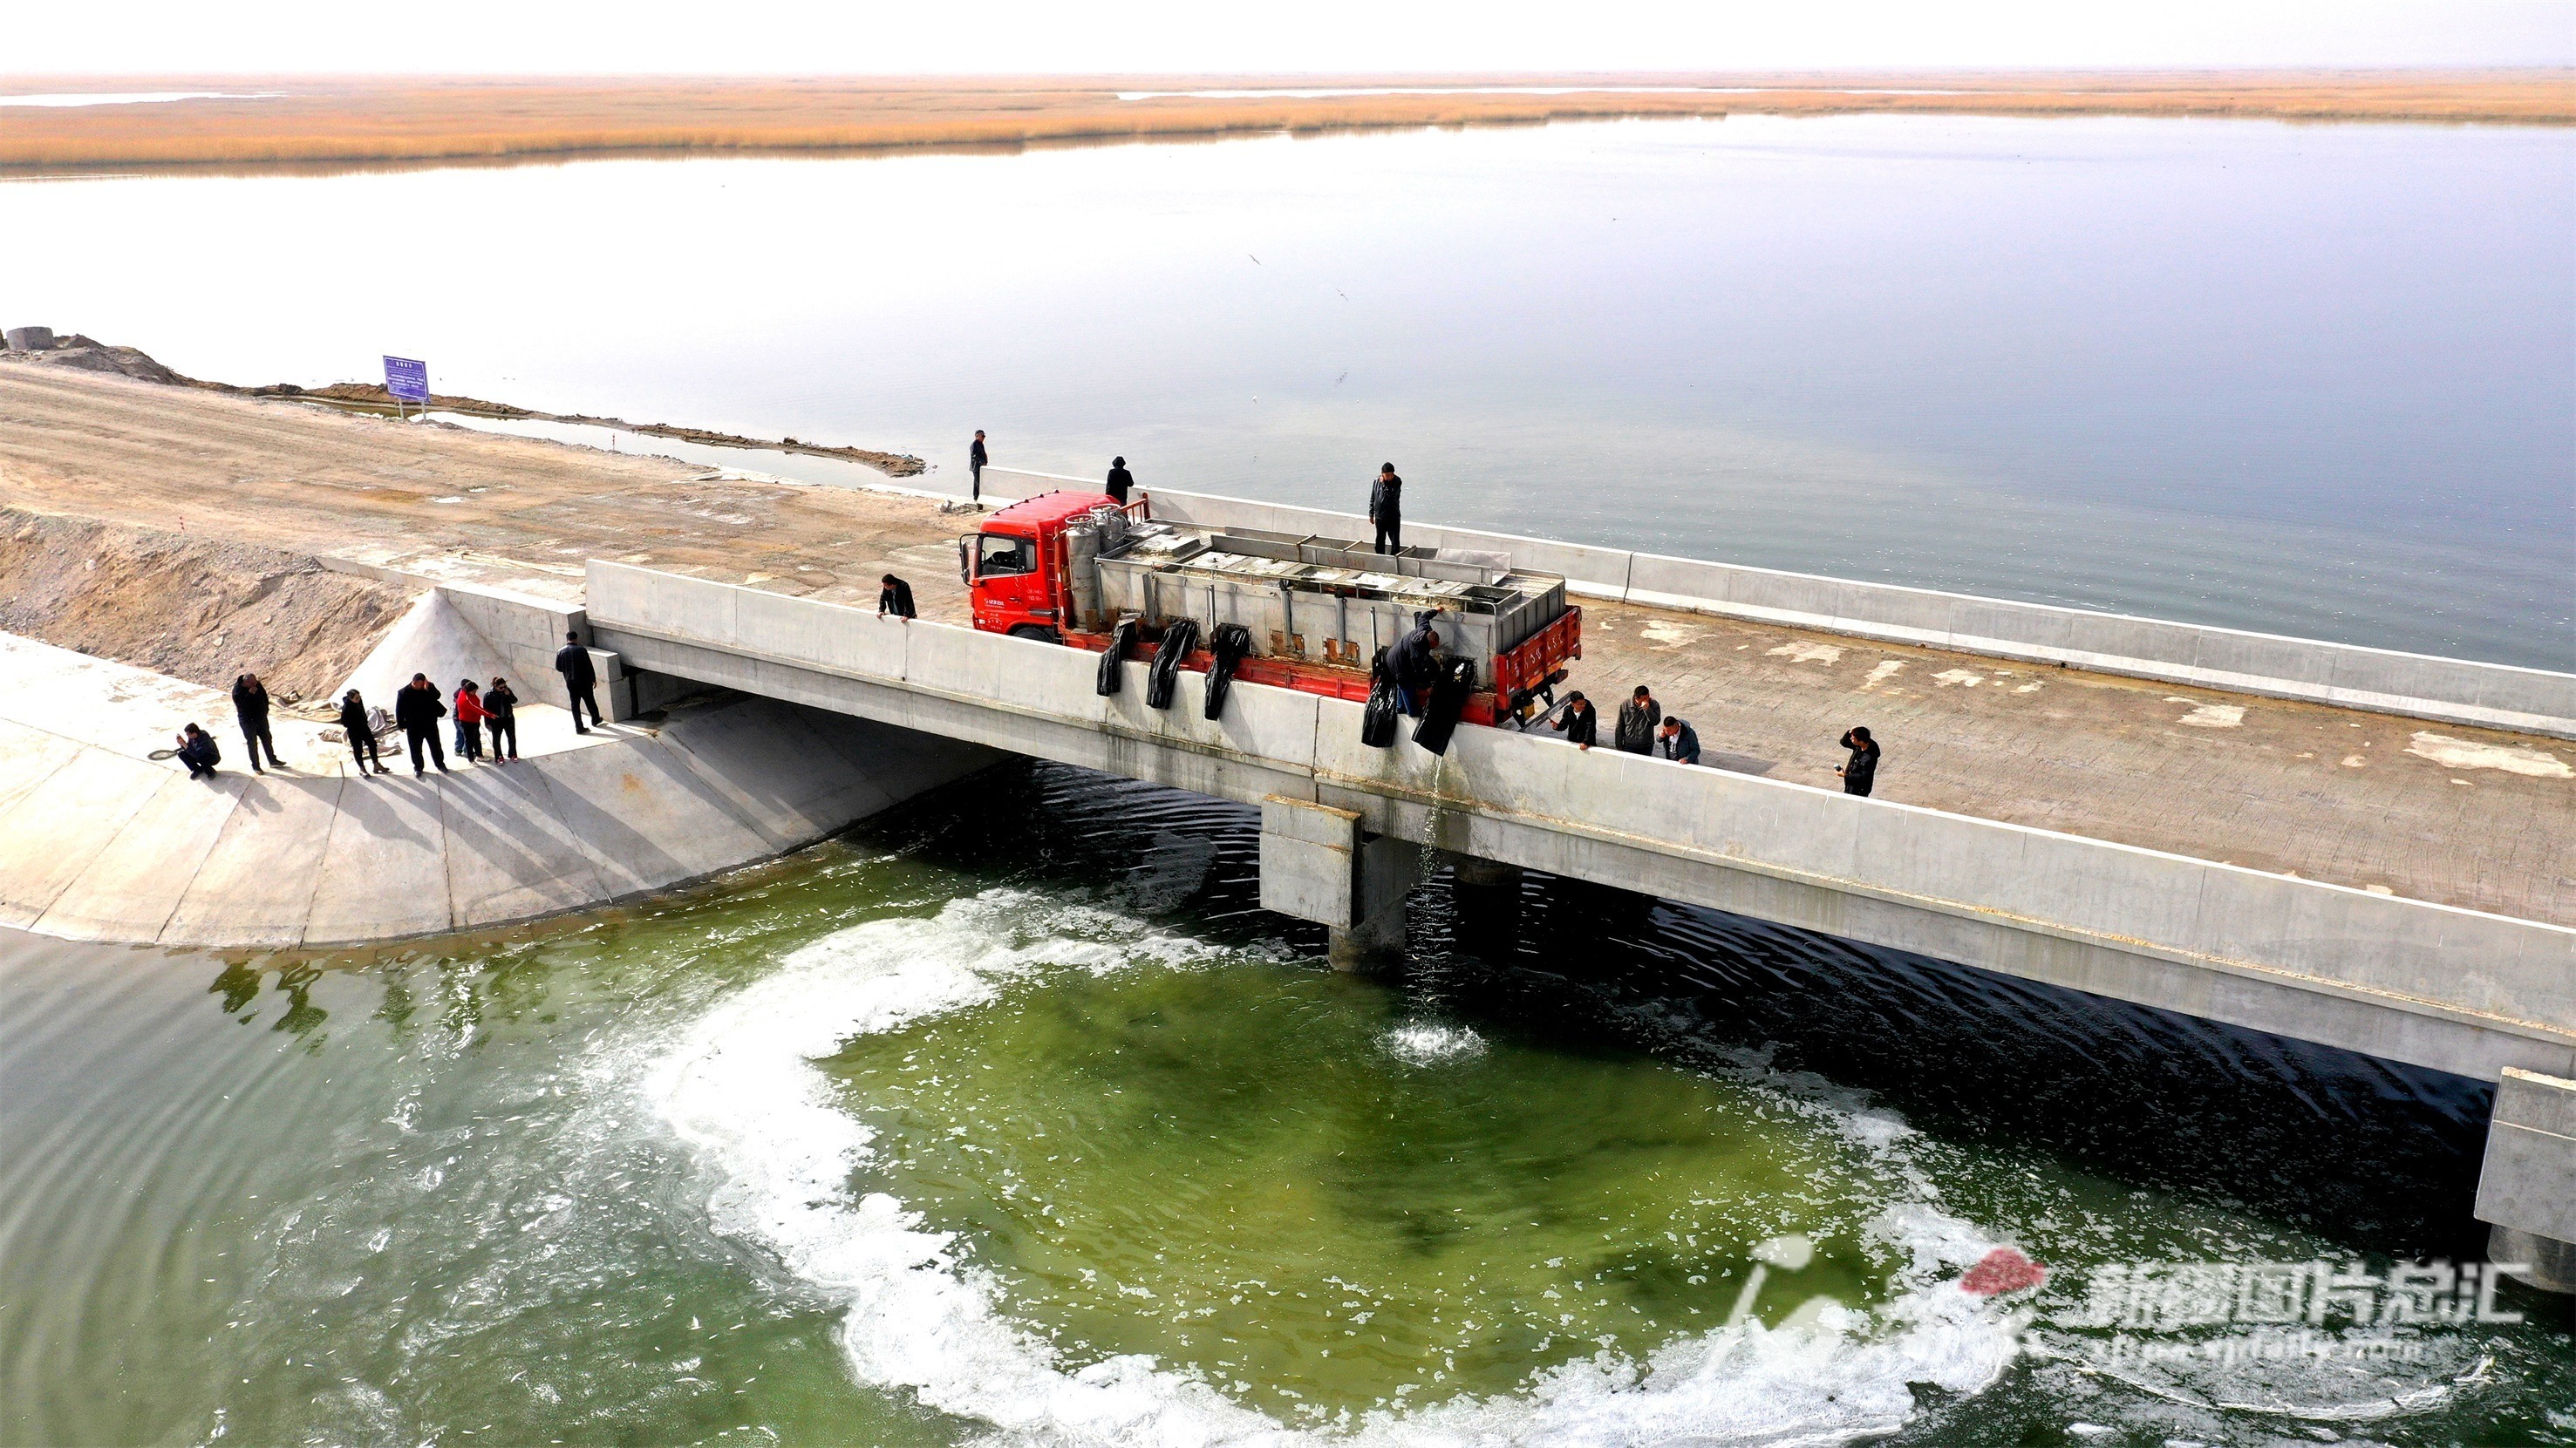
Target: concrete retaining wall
2456 691
2409 981
457 630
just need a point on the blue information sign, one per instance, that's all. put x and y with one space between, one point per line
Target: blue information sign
407 379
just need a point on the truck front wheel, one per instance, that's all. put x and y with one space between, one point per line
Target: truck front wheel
1040 632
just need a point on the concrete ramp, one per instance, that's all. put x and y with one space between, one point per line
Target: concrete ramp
436 639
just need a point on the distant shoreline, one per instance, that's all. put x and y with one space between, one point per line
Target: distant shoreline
309 121
85 354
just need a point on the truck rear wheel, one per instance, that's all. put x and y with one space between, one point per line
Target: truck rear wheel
1040 632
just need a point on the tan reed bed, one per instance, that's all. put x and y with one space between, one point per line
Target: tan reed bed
361 121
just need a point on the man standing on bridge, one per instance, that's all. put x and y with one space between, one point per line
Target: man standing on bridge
1678 742
1580 722
580 679
894 596
976 457
1120 480
1637 720
1386 509
1862 771
1415 662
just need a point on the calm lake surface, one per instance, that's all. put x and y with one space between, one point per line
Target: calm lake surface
2313 380
1011 1118
890 1143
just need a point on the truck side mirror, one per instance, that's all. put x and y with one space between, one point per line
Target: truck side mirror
966 559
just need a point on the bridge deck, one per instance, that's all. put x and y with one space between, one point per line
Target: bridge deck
2442 813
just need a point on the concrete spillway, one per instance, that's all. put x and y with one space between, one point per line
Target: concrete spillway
100 842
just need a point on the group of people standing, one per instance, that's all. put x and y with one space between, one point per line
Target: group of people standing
486 715
1644 728
479 711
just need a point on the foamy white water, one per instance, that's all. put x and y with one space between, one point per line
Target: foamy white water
1426 1043
740 1086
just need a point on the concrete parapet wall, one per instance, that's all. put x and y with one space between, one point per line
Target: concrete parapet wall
2430 984
2456 691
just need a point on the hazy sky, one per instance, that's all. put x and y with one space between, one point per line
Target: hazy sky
143 37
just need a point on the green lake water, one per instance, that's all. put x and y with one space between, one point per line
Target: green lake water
1014 1121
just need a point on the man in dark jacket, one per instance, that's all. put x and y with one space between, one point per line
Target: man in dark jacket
250 705
501 719
1415 662
1862 771
894 596
197 751
581 679
1120 480
1679 742
417 709
1580 722
1386 509
362 734
976 457
1637 720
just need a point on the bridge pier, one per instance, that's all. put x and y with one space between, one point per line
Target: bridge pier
1318 864
2523 1191
1487 894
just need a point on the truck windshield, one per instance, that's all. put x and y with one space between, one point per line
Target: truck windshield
996 554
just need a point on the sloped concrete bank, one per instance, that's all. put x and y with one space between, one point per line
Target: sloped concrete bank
100 842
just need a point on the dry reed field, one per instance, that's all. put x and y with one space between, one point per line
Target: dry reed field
433 120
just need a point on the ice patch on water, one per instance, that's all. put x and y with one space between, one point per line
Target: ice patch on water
1428 1043
739 1086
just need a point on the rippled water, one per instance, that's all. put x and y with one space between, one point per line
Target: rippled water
2302 379
1017 1119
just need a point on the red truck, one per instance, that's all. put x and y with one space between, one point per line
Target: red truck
1294 611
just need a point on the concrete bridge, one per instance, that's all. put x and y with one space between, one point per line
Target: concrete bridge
2478 993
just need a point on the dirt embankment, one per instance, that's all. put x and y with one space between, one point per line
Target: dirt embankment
197 608
315 482
87 354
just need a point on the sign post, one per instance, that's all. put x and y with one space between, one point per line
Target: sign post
408 380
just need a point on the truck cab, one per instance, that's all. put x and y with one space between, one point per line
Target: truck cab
1014 569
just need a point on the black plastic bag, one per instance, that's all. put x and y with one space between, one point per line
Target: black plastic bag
1113 671
1448 700
1178 639
1229 643
1377 722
